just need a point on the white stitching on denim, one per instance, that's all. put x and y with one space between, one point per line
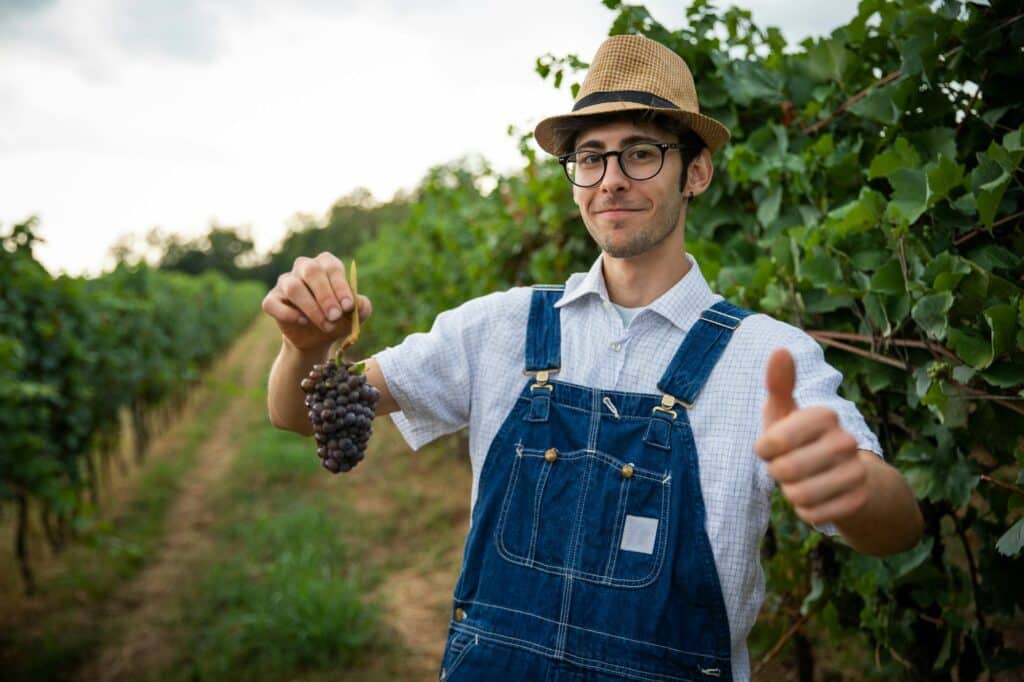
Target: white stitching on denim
570 573
499 531
596 632
538 498
470 644
516 642
620 520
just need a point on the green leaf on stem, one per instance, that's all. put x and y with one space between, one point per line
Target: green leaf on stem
1012 540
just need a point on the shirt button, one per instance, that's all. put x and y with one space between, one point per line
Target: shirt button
551 454
460 614
615 346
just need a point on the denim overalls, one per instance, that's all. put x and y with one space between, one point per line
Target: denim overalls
588 558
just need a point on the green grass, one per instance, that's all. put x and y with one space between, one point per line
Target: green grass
283 595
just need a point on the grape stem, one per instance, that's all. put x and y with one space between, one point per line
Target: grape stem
354 334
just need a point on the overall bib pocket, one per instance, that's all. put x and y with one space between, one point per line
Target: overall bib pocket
459 644
585 512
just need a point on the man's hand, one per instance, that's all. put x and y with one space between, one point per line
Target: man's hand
309 303
815 461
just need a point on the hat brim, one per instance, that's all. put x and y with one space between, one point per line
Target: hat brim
714 134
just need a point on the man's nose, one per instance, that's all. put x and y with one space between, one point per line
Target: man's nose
614 179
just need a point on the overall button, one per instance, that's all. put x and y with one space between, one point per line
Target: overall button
627 470
460 614
551 454
616 346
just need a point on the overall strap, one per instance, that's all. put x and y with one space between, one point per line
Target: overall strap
544 331
700 351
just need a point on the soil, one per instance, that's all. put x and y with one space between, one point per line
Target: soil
144 607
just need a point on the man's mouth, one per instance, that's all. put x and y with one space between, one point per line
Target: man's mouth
617 210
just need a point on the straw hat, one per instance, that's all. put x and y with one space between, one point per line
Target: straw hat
634 73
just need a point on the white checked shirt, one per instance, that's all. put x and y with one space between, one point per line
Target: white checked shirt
468 371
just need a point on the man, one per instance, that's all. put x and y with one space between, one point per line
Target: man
618 503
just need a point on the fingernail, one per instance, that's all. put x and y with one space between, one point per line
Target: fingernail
328 327
303 320
333 314
346 303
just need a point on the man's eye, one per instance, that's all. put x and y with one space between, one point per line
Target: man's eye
589 159
641 154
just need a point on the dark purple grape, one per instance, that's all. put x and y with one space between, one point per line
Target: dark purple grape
341 411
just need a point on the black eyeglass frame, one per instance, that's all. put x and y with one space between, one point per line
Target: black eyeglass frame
662 146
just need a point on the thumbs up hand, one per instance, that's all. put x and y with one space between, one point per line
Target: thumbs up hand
814 461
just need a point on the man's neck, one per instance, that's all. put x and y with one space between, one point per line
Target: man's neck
640 280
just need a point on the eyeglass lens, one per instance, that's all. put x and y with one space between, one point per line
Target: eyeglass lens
640 161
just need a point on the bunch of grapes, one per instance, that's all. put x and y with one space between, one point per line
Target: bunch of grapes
341 407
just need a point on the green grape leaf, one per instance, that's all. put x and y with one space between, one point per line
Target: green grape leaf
1004 375
974 350
768 209
932 313
921 481
821 269
827 60
910 195
888 279
1002 320
1012 540
900 154
943 176
878 106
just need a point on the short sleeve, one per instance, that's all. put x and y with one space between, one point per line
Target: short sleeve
438 377
428 375
817 384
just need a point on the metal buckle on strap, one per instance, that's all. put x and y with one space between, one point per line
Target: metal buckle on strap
668 402
721 323
542 376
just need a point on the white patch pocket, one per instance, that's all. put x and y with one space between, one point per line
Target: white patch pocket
638 534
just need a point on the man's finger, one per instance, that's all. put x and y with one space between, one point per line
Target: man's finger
365 308
835 509
278 308
335 270
297 294
848 475
795 430
314 275
780 379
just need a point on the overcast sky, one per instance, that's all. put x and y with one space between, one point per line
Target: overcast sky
120 115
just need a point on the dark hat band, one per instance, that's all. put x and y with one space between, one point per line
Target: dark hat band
634 96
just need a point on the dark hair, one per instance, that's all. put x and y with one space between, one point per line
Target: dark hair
570 128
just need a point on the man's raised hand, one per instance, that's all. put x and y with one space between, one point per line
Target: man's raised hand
310 303
814 461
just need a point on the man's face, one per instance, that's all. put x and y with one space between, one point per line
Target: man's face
629 217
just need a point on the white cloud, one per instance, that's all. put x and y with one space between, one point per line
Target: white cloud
247 111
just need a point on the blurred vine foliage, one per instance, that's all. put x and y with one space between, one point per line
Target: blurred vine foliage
74 352
871 194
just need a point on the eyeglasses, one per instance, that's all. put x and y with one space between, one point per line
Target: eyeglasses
640 161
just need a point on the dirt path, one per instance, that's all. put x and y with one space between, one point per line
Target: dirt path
143 605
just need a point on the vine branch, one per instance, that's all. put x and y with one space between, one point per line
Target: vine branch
782 642
979 230
829 340
884 80
1002 484
972 568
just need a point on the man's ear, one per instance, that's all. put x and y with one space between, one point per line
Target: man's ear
699 175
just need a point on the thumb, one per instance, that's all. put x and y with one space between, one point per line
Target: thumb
780 379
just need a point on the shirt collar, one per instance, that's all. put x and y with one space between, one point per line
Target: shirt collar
680 305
